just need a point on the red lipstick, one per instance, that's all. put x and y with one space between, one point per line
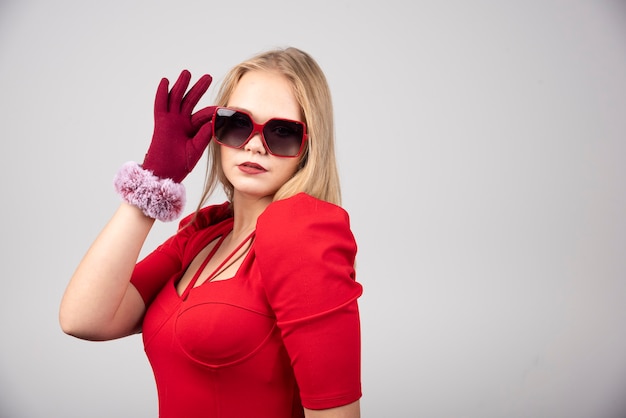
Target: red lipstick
251 168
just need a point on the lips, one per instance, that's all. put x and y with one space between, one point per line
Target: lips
251 168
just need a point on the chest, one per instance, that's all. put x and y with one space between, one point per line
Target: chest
220 260
216 323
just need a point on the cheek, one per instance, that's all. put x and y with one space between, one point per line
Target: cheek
289 167
223 154
226 156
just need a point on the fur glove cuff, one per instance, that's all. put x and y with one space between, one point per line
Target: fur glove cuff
158 198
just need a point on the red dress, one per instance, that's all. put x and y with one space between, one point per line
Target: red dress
283 333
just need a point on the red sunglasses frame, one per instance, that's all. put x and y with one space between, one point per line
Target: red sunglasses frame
257 128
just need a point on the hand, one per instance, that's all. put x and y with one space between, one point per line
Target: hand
180 137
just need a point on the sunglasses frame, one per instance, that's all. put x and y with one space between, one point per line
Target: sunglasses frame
257 128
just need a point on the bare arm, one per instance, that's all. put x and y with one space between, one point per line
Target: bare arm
100 303
352 410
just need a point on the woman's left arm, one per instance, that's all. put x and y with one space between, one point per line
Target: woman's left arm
305 251
352 410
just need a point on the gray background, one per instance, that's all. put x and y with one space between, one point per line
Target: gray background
482 149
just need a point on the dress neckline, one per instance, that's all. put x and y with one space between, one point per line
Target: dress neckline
196 276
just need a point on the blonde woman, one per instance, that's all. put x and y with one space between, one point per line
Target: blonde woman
250 309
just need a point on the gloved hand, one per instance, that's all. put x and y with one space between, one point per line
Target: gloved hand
179 137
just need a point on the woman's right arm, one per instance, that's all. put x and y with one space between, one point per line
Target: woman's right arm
100 303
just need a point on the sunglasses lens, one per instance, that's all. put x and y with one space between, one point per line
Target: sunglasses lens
283 137
231 128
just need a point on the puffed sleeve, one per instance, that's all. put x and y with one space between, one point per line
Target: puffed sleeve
305 251
151 273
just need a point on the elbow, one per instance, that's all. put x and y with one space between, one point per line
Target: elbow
93 320
65 320
67 317
70 326
75 325
80 331
87 328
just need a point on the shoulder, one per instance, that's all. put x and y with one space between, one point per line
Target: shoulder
301 212
305 252
304 202
304 225
206 217
208 220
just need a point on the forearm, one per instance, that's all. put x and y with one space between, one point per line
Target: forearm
99 302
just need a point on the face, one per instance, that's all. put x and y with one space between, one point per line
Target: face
252 171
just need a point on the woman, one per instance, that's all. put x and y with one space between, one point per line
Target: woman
250 309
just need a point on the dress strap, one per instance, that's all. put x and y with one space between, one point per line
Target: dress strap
202 266
208 258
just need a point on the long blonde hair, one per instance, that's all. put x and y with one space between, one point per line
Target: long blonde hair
317 174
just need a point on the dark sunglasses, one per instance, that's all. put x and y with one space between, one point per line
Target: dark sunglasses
281 137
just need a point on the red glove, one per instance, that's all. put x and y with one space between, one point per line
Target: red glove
180 137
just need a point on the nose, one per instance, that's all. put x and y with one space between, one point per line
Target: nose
255 144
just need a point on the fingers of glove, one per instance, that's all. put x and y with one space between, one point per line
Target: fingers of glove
178 91
202 138
202 116
192 98
161 99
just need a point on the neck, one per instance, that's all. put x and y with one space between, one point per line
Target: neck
246 210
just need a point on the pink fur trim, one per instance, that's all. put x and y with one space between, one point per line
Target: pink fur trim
158 198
